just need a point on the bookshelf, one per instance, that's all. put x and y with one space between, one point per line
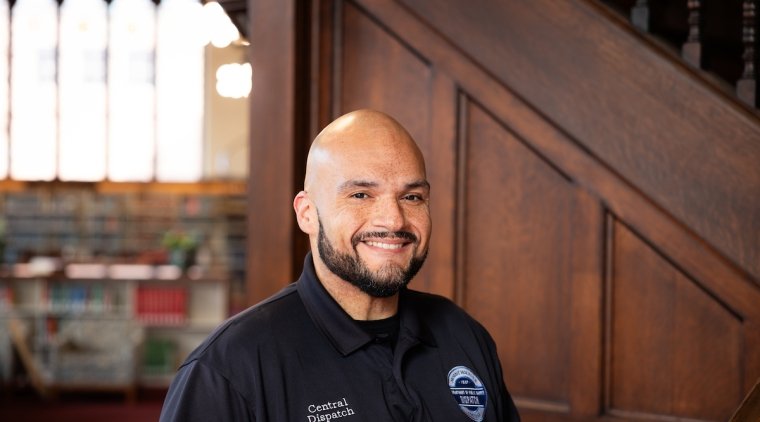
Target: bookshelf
114 334
87 283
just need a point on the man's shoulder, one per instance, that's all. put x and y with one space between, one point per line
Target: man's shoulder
254 325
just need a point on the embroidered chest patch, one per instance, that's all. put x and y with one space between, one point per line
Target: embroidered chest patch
469 392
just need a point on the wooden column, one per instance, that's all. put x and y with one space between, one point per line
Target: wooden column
271 225
640 15
692 49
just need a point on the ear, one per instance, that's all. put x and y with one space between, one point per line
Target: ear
306 214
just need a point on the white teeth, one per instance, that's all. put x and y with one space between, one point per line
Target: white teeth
385 245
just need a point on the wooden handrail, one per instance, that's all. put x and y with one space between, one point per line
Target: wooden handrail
749 410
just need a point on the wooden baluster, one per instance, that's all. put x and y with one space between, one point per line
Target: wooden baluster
692 49
747 86
640 15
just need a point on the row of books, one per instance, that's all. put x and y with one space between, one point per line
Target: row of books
153 305
73 202
66 298
81 298
160 357
78 221
161 305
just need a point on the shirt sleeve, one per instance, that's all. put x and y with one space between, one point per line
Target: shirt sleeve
199 393
506 409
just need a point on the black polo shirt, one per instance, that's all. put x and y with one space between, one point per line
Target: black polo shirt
299 357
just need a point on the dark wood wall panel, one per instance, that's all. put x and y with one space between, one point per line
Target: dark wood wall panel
510 194
440 152
595 319
378 71
521 219
676 350
587 71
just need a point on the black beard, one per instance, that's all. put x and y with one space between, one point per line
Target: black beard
386 282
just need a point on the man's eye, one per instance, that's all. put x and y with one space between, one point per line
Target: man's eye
413 197
360 195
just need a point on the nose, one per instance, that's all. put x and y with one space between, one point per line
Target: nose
389 215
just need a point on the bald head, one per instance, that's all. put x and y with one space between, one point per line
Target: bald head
365 207
356 138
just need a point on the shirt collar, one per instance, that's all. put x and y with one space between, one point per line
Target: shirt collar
338 327
412 325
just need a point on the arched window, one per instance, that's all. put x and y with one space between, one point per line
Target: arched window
131 105
33 124
110 89
82 90
179 90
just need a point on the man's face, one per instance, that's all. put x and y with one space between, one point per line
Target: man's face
374 219
386 281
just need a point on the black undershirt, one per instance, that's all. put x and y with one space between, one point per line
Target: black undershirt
383 331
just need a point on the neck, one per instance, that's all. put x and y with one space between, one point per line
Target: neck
357 304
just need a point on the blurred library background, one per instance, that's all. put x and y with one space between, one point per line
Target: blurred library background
123 160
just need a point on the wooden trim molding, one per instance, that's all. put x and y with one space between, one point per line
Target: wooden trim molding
272 172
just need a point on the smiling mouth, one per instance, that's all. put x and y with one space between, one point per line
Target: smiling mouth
389 241
383 245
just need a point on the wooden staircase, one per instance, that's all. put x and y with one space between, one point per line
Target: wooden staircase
719 37
596 198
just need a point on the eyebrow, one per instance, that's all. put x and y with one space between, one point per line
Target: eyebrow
356 184
351 184
418 184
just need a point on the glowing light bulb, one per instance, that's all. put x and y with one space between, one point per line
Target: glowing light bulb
233 80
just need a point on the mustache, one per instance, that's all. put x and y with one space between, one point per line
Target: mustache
360 237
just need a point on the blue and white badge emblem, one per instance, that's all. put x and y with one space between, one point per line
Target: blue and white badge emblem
469 392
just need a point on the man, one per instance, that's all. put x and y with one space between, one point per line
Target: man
348 341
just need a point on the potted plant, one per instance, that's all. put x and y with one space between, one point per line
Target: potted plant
181 248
